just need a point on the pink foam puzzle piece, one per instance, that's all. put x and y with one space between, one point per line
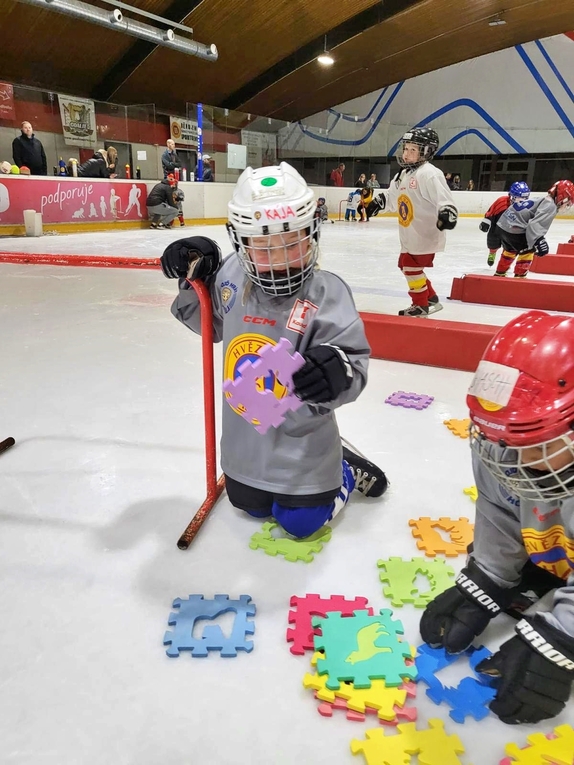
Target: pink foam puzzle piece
402 714
262 408
301 634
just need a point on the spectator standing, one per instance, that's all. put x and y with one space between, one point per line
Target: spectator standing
27 150
373 183
448 179
361 181
207 169
96 167
471 186
336 176
170 159
456 185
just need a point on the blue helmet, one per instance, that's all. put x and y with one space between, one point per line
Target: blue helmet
519 190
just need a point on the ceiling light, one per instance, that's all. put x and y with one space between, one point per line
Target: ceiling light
496 21
325 59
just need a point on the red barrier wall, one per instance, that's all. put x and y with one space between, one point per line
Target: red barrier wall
521 293
554 264
450 344
566 249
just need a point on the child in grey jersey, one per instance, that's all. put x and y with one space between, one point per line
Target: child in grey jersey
522 437
270 287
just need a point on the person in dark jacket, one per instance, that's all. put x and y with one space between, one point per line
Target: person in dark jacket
96 167
170 159
162 204
207 169
27 150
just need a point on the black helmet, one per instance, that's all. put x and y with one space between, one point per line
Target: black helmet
426 138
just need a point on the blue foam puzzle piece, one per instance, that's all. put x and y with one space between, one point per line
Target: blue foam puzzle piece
196 607
470 697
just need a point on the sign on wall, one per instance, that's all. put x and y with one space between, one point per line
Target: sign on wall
183 131
7 111
78 121
70 201
265 142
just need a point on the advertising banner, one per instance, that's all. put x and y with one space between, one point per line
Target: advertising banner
183 131
68 201
78 121
7 111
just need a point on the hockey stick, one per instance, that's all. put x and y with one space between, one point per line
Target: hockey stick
6 444
214 485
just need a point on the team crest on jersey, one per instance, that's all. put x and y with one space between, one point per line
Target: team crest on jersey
228 295
405 210
301 315
244 348
550 549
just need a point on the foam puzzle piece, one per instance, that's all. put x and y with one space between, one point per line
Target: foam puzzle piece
409 400
432 745
387 702
400 575
470 698
301 634
196 607
262 408
458 427
362 648
291 549
555 748
472 492
404 714
461 533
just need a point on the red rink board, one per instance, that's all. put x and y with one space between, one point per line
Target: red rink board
520 293
566 249
554 264
449 344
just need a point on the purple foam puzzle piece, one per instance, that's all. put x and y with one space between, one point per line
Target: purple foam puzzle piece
264 406
409 400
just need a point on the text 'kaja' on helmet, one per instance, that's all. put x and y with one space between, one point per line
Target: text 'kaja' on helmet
273 228
427 141
521 403
562 193
519 190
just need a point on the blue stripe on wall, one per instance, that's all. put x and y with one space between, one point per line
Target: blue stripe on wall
554 68
470 131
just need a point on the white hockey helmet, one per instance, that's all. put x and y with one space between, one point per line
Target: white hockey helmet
272 204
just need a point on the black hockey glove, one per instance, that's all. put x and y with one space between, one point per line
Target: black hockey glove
447 217
325 374
540 247
535 670
195 257
458 615
484 225
377 205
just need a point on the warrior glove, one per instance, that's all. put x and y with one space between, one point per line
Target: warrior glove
325 374
194 257
534 672
377 205
454 618
540 247
484 225
447 217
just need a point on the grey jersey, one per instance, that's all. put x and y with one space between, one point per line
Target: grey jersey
508 531
531 217
303 455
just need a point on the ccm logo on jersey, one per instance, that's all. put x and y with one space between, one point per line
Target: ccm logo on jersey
543 646
259 320
301 315
477 593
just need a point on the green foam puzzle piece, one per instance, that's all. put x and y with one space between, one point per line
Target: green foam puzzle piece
291 549
362 648
400 576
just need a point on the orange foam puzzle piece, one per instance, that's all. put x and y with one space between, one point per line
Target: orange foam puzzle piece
461 533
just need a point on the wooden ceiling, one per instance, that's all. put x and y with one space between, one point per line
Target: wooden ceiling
267 51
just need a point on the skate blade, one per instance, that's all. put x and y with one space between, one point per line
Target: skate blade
435 307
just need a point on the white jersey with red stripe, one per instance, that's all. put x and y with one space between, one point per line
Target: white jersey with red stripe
417 196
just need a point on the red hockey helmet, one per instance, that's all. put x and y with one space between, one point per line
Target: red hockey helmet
523 390
563 193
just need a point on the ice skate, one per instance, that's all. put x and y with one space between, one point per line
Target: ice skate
369 479
421 311
435 305
491 258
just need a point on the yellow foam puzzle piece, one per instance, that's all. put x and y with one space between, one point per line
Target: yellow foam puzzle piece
433 745
557 751
458 427
472 492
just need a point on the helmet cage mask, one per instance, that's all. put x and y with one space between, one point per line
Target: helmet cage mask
527 478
